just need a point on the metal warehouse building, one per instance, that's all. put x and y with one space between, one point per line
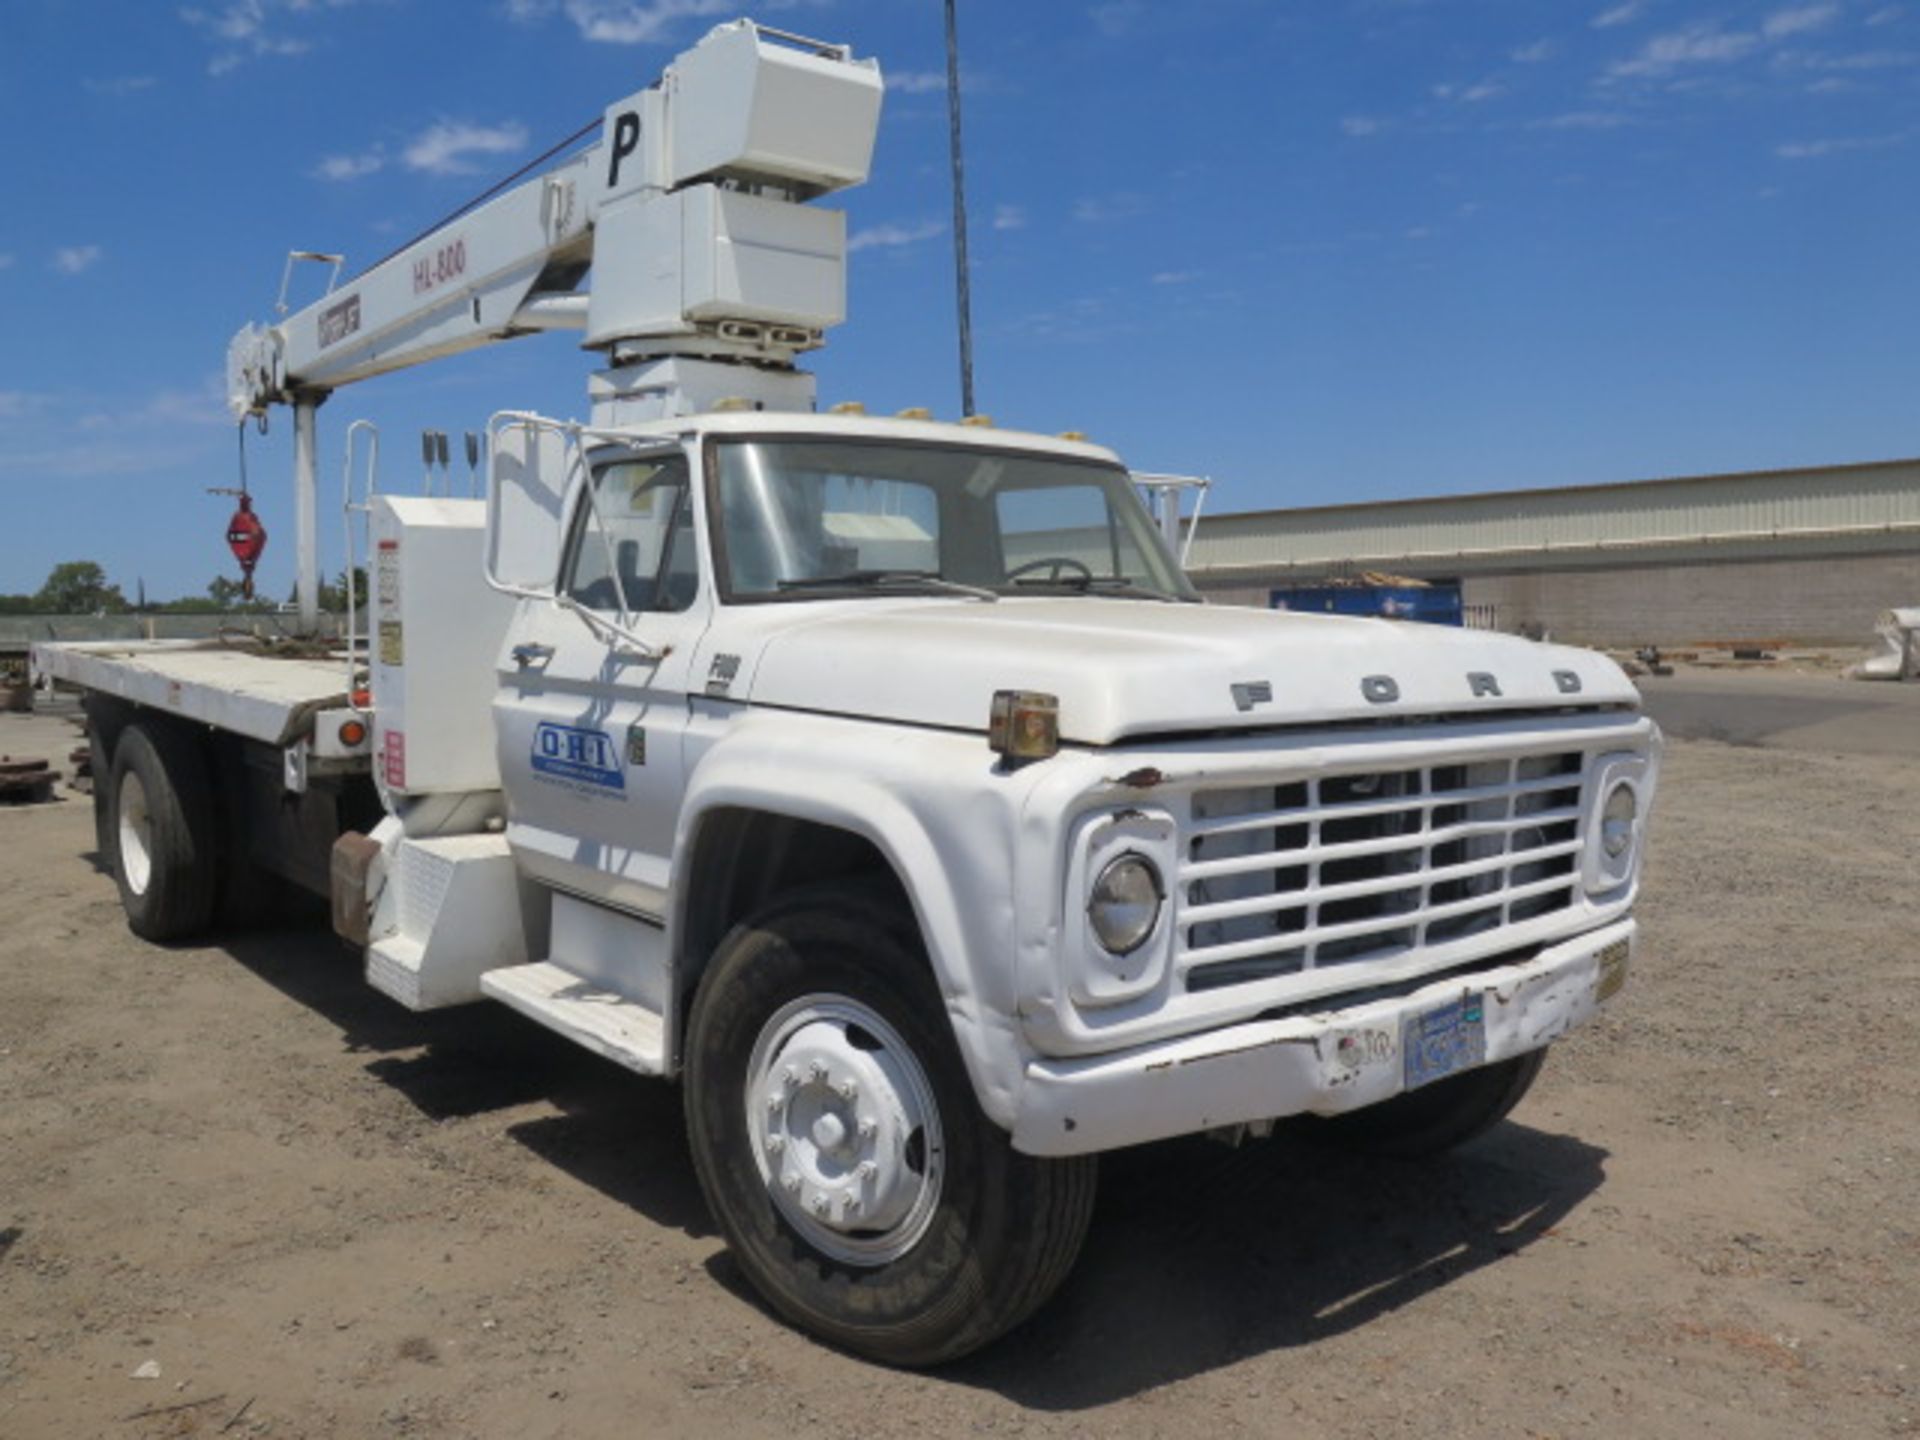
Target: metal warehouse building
1805 557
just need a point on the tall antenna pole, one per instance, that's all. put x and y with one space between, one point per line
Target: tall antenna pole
963 290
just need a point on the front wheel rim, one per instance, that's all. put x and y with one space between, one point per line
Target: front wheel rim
135 834
845 1129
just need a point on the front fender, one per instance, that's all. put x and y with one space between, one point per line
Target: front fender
945 816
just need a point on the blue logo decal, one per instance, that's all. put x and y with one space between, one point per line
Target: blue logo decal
574 754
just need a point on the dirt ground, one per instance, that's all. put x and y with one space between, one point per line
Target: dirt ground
319 1215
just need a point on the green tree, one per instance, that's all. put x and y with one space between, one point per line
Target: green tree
78 587
225 594
333 593
191 605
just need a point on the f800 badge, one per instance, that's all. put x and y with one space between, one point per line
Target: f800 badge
567 752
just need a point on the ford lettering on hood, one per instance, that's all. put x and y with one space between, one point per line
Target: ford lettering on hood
1124 670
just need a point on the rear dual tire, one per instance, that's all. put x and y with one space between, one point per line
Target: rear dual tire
160 833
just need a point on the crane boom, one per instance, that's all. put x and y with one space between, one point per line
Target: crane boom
709 271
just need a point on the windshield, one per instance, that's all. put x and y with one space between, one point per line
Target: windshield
840 516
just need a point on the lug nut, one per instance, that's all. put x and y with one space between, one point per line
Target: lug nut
849 1090
792 1181
776 1143
790 1077
820 1204
865 1170
816 1072
869 1127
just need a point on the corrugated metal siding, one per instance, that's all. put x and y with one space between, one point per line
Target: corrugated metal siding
1853 503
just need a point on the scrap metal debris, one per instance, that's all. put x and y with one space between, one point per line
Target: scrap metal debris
25 782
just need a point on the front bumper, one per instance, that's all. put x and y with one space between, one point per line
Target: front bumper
1322 1063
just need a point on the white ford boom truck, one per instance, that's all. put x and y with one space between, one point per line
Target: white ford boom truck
882 781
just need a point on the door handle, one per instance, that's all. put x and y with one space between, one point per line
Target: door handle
528 653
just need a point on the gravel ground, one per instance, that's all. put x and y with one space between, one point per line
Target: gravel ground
318 1215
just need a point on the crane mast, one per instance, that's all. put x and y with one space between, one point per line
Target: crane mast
709 271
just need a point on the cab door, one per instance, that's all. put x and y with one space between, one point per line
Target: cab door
591 721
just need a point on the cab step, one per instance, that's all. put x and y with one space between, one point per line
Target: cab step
609 1024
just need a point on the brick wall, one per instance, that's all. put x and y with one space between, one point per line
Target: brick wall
1829 601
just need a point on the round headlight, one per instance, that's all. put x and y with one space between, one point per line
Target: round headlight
1125 904
1616 820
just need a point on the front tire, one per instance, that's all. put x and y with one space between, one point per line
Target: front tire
838 1142
163 846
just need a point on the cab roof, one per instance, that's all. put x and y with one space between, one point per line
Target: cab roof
869 427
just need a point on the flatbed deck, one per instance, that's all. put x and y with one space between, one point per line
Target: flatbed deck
234 687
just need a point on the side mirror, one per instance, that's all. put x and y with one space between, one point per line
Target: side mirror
530 464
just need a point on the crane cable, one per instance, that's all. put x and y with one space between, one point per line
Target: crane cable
484 195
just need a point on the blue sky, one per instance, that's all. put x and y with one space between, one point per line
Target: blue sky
1320 251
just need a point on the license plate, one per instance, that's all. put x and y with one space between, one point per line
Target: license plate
1444 1042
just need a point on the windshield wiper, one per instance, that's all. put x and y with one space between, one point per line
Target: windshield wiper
888 579
1117 585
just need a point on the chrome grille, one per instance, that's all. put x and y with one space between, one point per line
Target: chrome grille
1345 869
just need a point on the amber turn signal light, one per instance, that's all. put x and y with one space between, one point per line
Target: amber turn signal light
1023 724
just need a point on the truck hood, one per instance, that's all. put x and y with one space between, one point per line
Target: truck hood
1125 668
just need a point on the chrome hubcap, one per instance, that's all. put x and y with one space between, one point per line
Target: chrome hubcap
845 1129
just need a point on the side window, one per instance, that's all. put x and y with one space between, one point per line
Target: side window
645 554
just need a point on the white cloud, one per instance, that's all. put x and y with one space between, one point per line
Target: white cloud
1485 90
1619 15
1885 15
1105 209
261 45
917 82
1698 45
1009 217
249 29
1664 56
1420 232
447 148
1798 20
1361 126
1818 149
6 262
1859 60
893 236
204 407
1533 54
1081 321
639 22
1584 120
240 20
120 85
19 404
1176 277
76 259
350 167
1117 17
